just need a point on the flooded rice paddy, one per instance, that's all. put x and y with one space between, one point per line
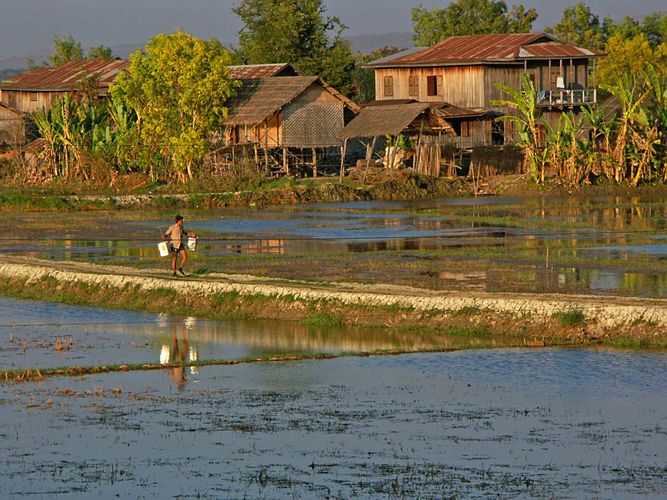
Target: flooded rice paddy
551 423
602 245
501 422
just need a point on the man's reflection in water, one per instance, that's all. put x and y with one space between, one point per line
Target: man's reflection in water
179 351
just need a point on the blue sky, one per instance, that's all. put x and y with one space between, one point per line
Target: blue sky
28 25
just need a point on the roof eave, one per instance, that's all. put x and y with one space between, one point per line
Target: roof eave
488 62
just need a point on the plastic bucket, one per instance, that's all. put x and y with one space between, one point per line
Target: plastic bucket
192 244
163 248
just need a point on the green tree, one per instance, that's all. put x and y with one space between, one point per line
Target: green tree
296 32
65 49
580 26
655 28
100 52
629 56
177 86
469 17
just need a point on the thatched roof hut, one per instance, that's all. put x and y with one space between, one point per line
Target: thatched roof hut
391 118
288 111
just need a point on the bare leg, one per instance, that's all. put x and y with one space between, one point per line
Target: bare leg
184 258
173 262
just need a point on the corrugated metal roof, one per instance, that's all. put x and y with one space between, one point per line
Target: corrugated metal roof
393 119
66 76
478 49
255 71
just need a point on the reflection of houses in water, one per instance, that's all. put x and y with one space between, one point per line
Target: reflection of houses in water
473 279
255 247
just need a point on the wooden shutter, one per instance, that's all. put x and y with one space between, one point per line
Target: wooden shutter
389 86
413 84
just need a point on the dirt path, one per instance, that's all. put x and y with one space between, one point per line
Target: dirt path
605 311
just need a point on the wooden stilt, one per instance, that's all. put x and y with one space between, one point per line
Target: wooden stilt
314 151
285 161
369 156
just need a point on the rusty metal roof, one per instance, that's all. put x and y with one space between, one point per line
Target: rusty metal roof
259 99
255 71
480 49
66 76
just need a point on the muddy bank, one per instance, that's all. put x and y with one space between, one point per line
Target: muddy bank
538 319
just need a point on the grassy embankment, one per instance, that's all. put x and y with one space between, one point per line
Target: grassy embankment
134 191
211 193
567 327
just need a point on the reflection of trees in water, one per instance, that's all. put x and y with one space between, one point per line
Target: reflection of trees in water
617 213
276 336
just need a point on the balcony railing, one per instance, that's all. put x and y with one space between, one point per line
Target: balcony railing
566 98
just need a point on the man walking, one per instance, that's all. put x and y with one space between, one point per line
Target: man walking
175 235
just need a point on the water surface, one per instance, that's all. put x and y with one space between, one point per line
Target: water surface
575 244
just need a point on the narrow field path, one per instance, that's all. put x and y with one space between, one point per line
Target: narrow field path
606 311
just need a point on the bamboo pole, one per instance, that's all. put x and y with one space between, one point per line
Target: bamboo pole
266 146
343 151
392 156
256 149
438 153
369 156
419 145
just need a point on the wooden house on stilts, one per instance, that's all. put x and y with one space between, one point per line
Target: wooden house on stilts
284 124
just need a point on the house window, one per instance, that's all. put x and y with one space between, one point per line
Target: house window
33 96
465 129
431 86
413 84
389 86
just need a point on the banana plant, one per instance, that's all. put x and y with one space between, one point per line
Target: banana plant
527 120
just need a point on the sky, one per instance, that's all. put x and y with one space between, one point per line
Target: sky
29 25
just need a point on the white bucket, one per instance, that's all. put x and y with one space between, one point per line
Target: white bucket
163 248
192 244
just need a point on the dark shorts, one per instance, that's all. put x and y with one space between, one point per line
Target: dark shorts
178 249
